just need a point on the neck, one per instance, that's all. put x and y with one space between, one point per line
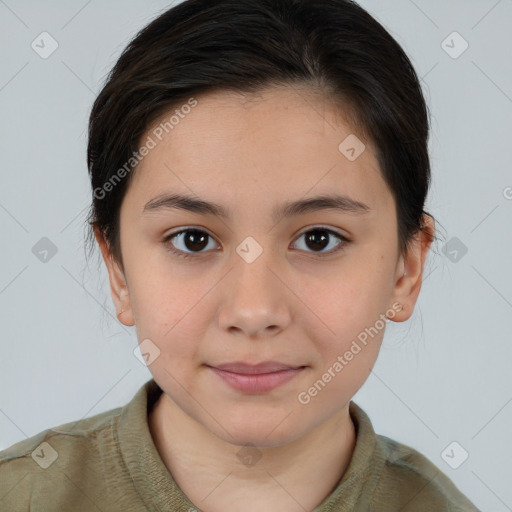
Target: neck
217 475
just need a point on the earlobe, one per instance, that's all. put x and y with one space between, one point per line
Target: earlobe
124 314
118 285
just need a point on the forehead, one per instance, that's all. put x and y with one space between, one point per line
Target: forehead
258 147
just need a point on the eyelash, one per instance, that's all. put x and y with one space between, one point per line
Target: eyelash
167 241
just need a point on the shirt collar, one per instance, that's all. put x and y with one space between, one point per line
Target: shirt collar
157 488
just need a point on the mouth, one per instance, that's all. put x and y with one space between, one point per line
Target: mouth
258 378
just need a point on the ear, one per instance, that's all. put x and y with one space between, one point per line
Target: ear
409 273
118 285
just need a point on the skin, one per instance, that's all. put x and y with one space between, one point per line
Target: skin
251 153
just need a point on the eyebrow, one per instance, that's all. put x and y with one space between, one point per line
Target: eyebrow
338 202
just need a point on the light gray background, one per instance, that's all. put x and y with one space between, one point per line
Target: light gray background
443 376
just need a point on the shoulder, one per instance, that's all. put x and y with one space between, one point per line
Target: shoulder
65 453
68 436
415 483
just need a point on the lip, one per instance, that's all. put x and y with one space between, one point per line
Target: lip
257 378
251 369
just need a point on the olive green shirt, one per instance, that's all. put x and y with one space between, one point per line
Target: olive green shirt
109 462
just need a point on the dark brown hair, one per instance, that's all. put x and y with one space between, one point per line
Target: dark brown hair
331 46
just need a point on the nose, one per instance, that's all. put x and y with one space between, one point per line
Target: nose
256 298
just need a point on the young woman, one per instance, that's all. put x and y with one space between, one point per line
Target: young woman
259 170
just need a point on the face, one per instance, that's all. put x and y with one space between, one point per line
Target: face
308 289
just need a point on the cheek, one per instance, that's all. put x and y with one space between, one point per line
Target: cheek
345 358
350 300
349 318
174 307
168 310
162 294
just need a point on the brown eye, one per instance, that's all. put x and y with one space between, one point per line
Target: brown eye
187 242
318 239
